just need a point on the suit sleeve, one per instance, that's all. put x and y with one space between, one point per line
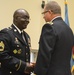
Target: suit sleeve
46 46
6 59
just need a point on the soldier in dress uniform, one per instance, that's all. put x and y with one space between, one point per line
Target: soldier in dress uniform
15 48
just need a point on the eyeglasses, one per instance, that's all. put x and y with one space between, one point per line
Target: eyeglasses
45 12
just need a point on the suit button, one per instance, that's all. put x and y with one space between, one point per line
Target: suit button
0 64
26 53
10 72
26 59
17 45
26 46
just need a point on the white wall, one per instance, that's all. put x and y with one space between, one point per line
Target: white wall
7 8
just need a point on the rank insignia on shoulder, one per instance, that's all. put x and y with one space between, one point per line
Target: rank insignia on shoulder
51 23
9 28
1 46
15 51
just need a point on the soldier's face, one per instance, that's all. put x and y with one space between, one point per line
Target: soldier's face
23 21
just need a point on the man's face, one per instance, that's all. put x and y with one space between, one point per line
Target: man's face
47 15
22 20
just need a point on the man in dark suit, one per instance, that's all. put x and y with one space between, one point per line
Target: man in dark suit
55 43
15 46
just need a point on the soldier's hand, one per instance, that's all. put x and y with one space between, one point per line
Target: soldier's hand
29 68
33 64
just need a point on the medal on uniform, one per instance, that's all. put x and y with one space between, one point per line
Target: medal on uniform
29 42
16 41
19 51
15 51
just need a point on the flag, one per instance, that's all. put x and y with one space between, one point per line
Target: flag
67 22
72 61
66 13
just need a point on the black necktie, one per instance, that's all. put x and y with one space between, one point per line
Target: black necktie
23 36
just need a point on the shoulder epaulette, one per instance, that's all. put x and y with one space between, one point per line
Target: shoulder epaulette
51 23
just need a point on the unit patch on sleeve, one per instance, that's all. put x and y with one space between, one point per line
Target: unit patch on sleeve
1 46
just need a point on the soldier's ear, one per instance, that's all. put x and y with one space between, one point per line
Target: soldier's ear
16 18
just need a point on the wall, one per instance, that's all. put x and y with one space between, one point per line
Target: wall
7 8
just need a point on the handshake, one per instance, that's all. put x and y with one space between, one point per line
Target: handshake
29 68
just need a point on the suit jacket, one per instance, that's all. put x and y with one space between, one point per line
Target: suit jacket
55 48
14 51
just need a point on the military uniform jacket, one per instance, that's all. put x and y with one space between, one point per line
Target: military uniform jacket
14 51
55 48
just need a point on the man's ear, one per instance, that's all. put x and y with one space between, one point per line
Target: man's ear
49 11
16 18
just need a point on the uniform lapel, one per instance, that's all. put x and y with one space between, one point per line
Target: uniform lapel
18 35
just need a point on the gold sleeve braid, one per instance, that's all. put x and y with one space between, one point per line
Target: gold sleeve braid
18 66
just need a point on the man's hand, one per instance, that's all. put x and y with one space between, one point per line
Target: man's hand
33 64
29 67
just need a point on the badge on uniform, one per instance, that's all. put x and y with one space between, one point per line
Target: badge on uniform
14 51
17 51
1 46
16 41
29 42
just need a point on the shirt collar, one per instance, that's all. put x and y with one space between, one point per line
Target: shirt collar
55 18
18 29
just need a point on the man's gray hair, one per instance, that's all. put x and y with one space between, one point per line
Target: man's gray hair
54 7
